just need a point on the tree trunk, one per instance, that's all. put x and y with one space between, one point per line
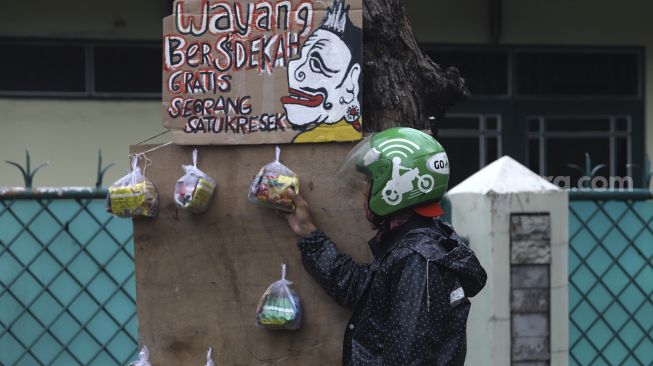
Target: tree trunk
402 86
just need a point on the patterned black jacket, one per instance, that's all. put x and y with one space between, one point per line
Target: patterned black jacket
410 304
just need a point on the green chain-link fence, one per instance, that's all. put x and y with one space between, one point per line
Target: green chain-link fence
610 280
67 288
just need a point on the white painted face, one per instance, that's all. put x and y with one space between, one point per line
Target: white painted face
321 84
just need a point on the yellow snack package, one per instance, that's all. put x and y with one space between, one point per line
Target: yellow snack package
194 190
133 195
270 186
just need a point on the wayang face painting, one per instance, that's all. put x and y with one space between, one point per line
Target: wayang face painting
325 81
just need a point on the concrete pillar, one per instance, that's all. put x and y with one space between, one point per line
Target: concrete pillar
517 223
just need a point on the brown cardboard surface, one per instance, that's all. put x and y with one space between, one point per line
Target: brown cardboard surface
204 78
199 277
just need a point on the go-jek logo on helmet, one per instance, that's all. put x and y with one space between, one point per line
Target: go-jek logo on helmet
398 147
438 163
403 183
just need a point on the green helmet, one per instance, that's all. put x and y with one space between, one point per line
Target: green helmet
407 168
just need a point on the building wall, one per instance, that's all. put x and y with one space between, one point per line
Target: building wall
115 19
534 22
69 132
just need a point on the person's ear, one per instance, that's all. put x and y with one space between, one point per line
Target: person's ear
351 85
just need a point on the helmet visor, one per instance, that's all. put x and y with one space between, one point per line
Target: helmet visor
352 171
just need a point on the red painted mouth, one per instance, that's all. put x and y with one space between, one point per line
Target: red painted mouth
302 98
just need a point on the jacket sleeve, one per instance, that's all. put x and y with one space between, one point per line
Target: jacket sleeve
342 278
415 318
463 261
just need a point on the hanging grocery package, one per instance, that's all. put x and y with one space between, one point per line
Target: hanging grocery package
270 186
279 307
133 195
194 190
143 358
209 359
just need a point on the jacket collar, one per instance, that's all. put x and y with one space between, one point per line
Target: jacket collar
390 239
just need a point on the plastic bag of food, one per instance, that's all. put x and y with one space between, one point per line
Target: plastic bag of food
209 359
270 186
279 307
193 191
143 358
133 195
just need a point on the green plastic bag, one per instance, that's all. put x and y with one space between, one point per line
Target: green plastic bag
279 307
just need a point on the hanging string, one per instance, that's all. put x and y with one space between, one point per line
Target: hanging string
209 359
155 148
134 162
277 153
143 156
140 156
283 271
153 137
195 158
148 162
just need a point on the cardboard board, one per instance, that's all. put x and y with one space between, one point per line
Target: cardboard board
263 71
199 277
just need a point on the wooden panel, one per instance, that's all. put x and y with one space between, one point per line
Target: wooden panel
199 278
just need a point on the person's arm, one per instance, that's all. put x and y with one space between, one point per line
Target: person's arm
415 319
338 274
342 278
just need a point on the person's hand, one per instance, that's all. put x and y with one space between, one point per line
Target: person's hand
300 221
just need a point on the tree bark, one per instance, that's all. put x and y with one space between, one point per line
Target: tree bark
402 86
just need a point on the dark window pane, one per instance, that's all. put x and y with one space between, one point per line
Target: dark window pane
464 158
579 124
622 157
491 150
560 152
127 69
573 73
459 123
534 124
621 124
491 123
42 68
534 155
485 72
622 160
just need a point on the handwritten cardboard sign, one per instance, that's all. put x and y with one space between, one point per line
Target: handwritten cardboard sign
263 71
